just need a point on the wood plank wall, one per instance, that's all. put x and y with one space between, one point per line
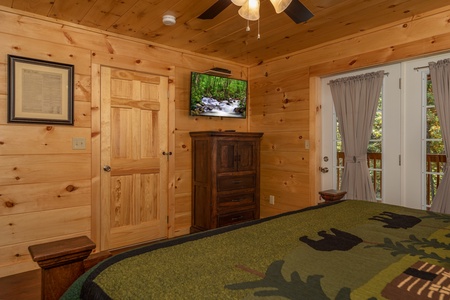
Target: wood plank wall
49 191
285 100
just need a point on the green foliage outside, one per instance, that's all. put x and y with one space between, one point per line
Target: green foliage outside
220 88
377 130
435 146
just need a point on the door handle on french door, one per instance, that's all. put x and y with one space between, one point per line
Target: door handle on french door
107 168
323 170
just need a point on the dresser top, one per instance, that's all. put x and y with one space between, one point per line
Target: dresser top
226 133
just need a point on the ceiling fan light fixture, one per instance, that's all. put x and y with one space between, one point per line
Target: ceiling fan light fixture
239 2
250 10
280 5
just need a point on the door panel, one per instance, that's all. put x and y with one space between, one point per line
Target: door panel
226 156
121 187
246 156
133 137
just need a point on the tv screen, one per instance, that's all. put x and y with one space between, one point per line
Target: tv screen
216 96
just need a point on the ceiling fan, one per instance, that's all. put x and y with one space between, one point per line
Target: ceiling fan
295 10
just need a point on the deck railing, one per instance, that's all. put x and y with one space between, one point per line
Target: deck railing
435 164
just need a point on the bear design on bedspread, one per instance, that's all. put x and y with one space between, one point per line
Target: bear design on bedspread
340 240
396 221
294 287
306 282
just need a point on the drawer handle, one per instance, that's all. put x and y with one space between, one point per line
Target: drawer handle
237 218
237 200
237 181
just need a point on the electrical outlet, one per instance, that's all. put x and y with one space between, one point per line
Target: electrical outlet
272 199
79 143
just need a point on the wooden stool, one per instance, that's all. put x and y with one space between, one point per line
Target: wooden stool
332 195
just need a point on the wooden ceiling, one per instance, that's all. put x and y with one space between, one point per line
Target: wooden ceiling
225 36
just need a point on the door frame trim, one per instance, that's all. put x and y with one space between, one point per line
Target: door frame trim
315 134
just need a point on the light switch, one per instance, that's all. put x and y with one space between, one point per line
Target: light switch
78 143
306 144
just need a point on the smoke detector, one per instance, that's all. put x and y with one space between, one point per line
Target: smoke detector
169 20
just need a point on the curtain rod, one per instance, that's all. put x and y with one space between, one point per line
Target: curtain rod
418 68
385 74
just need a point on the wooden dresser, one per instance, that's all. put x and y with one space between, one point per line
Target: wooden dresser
225 178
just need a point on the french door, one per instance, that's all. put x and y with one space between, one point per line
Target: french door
423 119
401 146
384 148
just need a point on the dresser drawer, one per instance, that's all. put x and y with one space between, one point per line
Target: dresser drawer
228 183
236 200
236 218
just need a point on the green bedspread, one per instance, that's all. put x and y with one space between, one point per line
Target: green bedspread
347 250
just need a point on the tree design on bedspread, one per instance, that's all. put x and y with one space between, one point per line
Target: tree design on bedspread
275 284
305 272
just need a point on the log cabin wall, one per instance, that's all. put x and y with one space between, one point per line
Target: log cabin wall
285 100
49 191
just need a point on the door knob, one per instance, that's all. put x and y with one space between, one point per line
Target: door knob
107 168
167 154
323 170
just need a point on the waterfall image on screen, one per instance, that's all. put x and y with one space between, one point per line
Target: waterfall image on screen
216 96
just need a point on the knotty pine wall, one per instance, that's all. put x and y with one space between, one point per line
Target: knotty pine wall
49 191
285 100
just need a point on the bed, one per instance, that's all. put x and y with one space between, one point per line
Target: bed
344 250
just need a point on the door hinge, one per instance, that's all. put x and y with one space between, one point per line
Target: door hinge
167 219
399 160
399 83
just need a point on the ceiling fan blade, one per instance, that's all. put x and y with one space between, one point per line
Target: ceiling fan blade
215 9
298 12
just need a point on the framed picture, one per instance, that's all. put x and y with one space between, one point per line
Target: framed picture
39 91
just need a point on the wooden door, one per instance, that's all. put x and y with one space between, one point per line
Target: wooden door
226 156
246 155
134 177
233 155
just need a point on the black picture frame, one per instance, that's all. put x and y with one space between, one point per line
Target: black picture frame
40 91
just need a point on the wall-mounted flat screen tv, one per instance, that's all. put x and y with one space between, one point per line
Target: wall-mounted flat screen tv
216 96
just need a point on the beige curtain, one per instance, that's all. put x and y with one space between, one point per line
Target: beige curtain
355 100
440 79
